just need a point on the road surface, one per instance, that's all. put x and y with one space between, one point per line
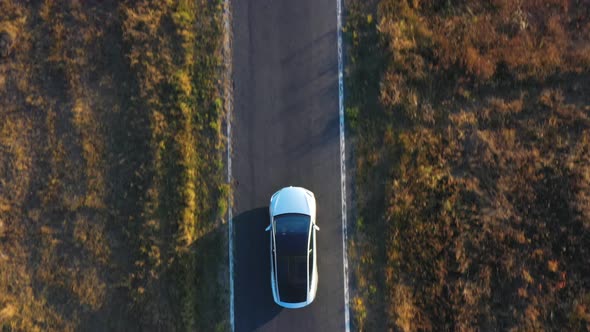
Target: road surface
285 132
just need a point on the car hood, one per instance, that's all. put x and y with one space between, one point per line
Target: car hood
291 200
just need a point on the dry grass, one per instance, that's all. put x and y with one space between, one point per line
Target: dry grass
111 185
473 139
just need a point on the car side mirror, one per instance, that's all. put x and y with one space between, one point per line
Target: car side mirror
267 228
316 227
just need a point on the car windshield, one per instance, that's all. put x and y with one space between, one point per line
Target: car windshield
292 223
292 231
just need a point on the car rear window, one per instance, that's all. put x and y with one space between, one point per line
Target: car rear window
292 273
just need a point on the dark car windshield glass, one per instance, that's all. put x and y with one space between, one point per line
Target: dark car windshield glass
292 231
291 234
292 224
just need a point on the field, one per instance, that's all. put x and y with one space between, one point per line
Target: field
112 190
470 123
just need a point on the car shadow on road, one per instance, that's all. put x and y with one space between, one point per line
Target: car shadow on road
254 305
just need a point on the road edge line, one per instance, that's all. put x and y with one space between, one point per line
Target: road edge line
342 164
228 99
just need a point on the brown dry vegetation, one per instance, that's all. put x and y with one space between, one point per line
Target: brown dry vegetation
471 130
111 177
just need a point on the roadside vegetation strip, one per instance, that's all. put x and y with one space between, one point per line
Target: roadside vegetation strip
471 131
113 185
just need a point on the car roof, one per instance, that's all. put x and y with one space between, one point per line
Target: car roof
291 240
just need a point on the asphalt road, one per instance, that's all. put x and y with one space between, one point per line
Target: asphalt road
285 132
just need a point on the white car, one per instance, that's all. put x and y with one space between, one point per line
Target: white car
293 254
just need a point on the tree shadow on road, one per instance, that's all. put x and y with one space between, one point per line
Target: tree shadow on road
254 305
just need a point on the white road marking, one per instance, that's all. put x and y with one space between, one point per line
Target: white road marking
342 164
228 99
